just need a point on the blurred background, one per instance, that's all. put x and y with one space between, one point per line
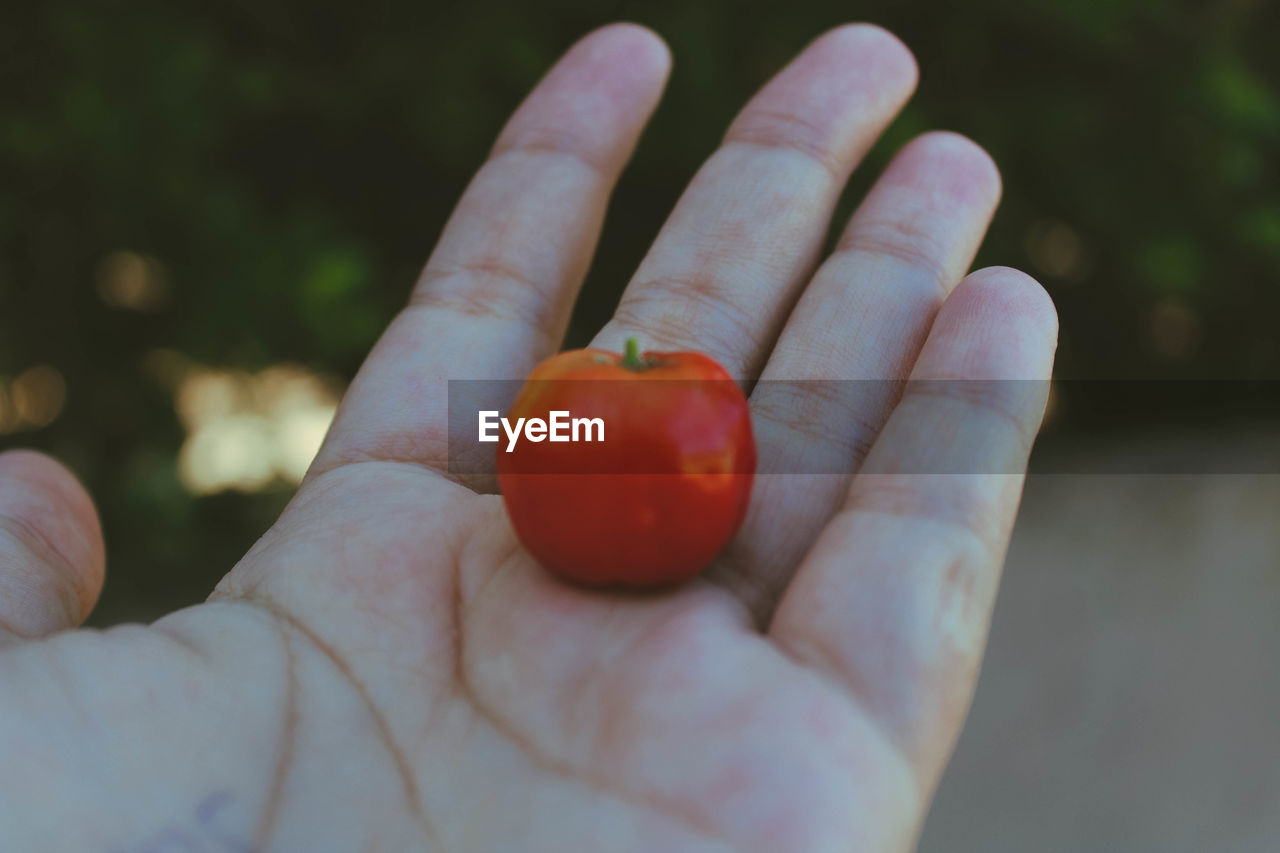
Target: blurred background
208 213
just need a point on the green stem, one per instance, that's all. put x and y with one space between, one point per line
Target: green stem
631 355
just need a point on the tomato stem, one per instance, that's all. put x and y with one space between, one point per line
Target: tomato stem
631 356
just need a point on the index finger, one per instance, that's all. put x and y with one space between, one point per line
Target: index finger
495 296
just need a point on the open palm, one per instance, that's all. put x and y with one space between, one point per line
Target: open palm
387 669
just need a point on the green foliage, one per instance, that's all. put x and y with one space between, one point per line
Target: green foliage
289 165
1171 264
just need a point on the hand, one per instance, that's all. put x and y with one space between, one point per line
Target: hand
388 670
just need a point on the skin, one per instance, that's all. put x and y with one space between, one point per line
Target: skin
387 669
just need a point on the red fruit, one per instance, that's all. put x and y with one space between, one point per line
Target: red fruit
654 501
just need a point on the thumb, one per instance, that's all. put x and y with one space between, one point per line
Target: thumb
51 552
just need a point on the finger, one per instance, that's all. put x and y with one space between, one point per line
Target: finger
894 600
51 550
495 296
726 267
864 316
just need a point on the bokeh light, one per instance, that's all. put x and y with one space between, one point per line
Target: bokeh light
229 452
129 280
246 431
7 415
1057 251
33 400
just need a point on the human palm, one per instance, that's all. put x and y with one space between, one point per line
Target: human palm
387 669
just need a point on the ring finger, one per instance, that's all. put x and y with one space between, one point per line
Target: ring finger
832 380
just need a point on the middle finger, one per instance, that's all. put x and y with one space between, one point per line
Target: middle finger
729 263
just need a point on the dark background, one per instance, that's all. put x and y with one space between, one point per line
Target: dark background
276 173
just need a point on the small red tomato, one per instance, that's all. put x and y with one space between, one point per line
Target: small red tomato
648 495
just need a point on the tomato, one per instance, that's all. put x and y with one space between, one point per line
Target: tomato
661 492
